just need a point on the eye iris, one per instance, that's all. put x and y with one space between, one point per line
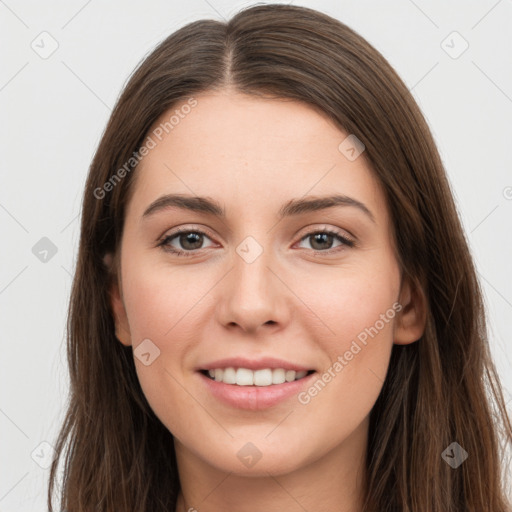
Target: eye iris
194 238
321 237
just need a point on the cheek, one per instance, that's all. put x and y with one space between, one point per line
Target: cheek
360 309
359 303
161 301
160 307
167 306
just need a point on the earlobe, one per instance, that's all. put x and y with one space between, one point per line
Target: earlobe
411 319
117 305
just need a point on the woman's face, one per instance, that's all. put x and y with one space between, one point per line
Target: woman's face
270 282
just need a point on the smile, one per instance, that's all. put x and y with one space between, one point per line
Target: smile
260 377
255 390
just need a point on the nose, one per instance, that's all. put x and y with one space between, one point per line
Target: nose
253 296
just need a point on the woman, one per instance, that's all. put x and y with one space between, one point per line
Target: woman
221 356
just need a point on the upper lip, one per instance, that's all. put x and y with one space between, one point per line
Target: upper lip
253 364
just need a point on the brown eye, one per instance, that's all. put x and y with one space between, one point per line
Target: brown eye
187 242
322 241
190 240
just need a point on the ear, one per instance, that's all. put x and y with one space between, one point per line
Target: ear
116 302
411 319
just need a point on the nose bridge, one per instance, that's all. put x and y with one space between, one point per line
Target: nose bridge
253 295
251 271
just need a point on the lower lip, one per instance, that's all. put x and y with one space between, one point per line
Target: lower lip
255 397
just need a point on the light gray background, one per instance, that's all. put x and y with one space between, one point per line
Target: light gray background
54 110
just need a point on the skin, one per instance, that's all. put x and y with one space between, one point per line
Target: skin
293 302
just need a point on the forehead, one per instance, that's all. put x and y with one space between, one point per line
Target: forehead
249 151
238 126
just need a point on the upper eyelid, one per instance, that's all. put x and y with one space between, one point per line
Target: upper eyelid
186 229
324 227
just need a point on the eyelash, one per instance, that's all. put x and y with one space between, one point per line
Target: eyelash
181 253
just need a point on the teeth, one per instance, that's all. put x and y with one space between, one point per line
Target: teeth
244 377
278 376
263 377
229 376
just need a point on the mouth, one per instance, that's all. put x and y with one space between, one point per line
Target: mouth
254 389
256 378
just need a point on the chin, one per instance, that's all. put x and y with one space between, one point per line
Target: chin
256 459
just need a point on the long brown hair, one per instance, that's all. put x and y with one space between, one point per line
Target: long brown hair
444 388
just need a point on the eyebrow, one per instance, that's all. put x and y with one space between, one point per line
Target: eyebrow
293 207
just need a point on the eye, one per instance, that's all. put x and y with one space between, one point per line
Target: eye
190 241
322 240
